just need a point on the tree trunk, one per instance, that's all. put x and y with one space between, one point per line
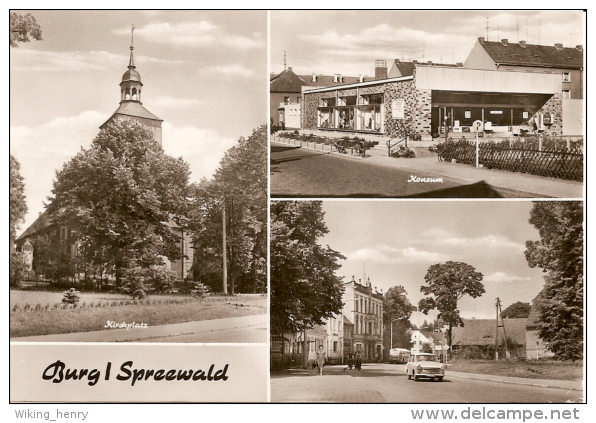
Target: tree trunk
304 350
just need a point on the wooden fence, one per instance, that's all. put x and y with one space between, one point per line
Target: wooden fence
557 162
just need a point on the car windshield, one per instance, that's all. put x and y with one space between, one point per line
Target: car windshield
425 358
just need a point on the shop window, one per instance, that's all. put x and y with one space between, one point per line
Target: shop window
566 77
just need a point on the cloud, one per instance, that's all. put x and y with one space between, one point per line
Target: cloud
229 70
385 254
43 149
487 242
176 103
195 34
502 277
203 149
23 60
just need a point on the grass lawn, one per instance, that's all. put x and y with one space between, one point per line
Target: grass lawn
34 297
54 321
529 369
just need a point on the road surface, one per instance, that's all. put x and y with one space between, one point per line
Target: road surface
300 172
389 383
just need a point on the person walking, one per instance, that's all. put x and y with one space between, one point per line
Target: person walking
321 355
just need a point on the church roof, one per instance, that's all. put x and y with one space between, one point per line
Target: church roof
133 109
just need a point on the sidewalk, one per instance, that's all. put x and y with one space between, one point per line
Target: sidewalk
160 331
570 385
539 186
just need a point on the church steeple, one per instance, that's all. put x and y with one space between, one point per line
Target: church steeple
130 100
130 87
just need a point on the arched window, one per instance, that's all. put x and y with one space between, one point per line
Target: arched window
134 94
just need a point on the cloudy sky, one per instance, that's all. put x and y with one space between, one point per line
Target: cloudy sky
395 242
349 42
204 73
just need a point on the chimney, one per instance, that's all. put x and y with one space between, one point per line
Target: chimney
360 78
522 44
481 40
505 42
430 62
559 46
380 69
415 62
336 78
579 47
460 64
314 77
290 68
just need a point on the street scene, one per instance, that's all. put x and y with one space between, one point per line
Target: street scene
130 226
381 383
481 112
426 301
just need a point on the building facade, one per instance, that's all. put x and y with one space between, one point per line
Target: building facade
364 309
438 101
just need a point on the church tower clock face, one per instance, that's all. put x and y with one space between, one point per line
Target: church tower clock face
130 99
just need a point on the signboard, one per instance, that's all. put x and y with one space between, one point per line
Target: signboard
398 107
468 114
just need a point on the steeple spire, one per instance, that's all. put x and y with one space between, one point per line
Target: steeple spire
131 64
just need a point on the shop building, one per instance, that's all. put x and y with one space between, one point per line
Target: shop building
285 93
438 101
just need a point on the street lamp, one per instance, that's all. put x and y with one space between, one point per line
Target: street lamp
395 320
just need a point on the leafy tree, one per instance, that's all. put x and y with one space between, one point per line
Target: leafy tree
239 185
120 198
18 206
18 209
397 306
517 310
23 27
447 284
559 253
304 288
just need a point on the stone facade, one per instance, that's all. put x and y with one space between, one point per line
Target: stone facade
554 106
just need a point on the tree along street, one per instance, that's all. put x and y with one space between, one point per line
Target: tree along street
389 383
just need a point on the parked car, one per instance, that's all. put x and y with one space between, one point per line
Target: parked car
425 365
399 355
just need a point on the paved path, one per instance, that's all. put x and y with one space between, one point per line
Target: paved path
388 383
245 329
310 172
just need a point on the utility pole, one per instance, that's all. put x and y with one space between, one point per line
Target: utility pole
502 325
224 255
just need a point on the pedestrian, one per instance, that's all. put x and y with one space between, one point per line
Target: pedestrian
358 360
321 355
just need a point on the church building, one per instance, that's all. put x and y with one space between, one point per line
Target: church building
130 108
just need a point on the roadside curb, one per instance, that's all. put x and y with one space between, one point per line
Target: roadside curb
511 382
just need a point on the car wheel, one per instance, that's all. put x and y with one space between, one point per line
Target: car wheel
409 376
415 377
432 379
440 379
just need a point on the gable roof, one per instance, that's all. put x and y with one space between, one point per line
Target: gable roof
43 221
534 55
290 82
132 109
482 331
286 82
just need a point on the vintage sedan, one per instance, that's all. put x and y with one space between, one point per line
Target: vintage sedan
425 365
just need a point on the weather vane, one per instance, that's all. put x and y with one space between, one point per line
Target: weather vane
132 33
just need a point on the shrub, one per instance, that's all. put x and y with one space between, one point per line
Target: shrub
200 290
403 152
71 296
